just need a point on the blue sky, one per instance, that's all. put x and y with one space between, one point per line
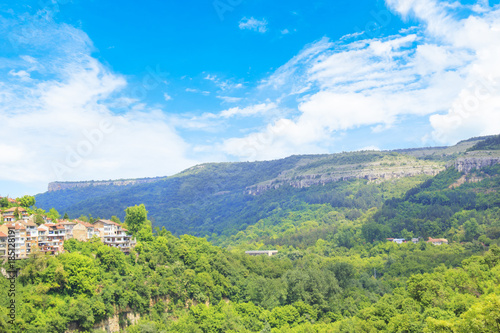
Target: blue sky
123 89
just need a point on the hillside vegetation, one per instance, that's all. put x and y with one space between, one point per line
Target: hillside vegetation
334 271
224 198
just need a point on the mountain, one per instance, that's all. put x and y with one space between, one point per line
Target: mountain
225 198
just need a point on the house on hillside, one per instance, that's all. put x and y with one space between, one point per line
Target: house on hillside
84 231
18 232
51 238
113 234
3 245
437 241
31 235
269 253
68 227
9 215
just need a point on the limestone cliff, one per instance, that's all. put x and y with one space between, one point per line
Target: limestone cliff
57 186
373 172
468 163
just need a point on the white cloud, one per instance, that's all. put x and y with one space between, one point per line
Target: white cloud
167 97
253 24
229 99
22 75
52 126
248 111
198 91
431 70
223 85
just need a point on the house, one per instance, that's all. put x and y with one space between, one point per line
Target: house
84 231
11 214
68 227
396 240
18 232
51 238
3 245
258 253
114 235
437 241
31 235
415 240
43 232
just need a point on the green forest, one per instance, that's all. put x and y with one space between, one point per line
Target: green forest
185 284
335 270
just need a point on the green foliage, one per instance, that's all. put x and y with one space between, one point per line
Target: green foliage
4 203
334 272
491 143
26 201
136 218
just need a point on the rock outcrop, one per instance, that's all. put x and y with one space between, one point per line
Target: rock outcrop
467 164
57 186
370 174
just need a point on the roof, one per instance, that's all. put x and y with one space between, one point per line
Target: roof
86 224
434 240
28 223
13 209
261 251
66 222
107 222
15 225
2 235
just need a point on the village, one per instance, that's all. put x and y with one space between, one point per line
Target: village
20 230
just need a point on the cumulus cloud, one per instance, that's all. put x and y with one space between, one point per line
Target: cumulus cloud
57 119
253 24
445 69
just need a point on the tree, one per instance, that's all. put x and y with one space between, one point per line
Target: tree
65 217
115 219
471 229
4 202
53 214
26 201
136 217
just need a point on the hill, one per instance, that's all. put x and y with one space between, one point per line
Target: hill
225 198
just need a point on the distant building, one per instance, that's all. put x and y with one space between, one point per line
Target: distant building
396 240
258 253
31 235
9 215
113 234
68 228
3 245
18 232
415 240
84 231
51 238
437 241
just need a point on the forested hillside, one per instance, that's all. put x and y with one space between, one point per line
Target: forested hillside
224 198
170 284
335 270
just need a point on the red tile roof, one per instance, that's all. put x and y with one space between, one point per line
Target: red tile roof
13 209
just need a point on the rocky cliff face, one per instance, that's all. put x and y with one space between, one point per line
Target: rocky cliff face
466 164
370 174
57 186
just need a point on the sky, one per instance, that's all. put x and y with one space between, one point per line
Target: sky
97 90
